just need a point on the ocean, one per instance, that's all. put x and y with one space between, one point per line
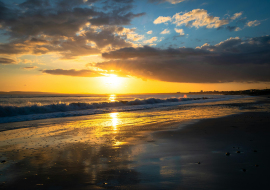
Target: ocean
14 108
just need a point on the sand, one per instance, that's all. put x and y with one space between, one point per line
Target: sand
141 150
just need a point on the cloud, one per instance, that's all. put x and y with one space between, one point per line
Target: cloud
60 17
237 29
91 42
233 28
197 18
162 19
130 34
69 28
169 1
232 60
180 31
30 68
149 32
153 39
165 32
73 72
25 61
6 61
236 15
253 23
146 51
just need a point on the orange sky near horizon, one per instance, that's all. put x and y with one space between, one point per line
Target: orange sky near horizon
109 85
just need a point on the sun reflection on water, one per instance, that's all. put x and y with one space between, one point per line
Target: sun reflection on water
114 120
112 98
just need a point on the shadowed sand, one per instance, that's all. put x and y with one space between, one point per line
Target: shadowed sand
180 148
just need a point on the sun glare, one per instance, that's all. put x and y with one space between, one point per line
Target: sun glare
114 120
113 81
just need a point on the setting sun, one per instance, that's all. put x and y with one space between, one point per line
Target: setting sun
113 81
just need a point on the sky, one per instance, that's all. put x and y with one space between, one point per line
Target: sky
128 46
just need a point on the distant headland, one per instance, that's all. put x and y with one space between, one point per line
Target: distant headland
252 92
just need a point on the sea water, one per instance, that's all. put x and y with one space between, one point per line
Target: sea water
18 107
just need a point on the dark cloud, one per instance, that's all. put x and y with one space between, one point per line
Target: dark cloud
31 4
6 61
66 27
69 47
73 72
231 28
163 1
35 17
147 51
233 60
30 68
64 4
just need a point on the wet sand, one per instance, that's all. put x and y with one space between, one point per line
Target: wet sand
167 149
197 153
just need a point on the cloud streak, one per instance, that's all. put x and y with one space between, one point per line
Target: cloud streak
73 72
169 1
253 23
166 31
7 61
30 68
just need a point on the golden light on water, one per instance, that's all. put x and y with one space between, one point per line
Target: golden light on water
114 120
112 98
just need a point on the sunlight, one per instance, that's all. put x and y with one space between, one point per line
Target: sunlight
112 98
114 120
113 81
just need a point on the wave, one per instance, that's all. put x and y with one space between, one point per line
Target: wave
6 111
35 112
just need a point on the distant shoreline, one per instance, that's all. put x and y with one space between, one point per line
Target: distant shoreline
252 92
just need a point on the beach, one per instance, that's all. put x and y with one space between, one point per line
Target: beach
212 145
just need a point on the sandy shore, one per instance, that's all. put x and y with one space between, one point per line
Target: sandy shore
141 150
198 153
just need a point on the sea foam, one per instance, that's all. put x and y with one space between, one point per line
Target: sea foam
35 112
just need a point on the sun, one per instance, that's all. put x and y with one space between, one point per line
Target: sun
113 81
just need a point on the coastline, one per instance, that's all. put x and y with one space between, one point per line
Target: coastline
154 153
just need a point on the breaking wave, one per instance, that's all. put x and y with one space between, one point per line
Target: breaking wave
35 112
6 111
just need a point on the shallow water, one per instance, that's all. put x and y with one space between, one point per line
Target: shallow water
100 151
